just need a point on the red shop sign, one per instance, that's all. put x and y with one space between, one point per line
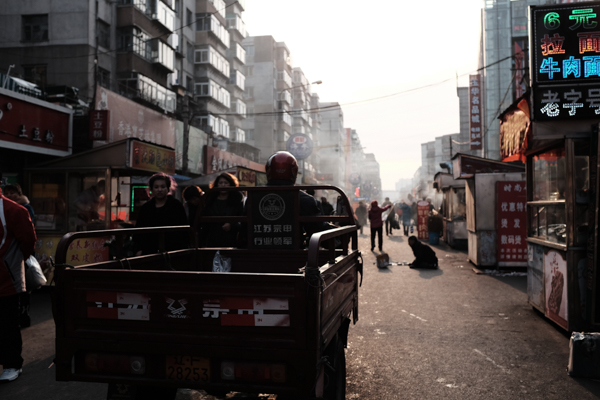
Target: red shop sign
511 223
422 219
33 125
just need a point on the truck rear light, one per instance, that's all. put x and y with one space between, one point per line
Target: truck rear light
253 372
115 363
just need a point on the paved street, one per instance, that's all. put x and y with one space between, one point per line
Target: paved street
422 334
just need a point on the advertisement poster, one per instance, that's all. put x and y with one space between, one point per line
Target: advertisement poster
555 281
422 219
511 223
80 252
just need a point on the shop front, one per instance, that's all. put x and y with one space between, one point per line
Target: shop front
562 168
33 131
98 189
495 210
453 209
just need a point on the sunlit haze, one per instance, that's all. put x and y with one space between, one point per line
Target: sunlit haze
369 50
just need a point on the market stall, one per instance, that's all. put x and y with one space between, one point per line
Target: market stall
453 209
495 214
98 189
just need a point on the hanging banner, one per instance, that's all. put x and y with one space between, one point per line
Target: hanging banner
515 130
422 220
511 217
475 117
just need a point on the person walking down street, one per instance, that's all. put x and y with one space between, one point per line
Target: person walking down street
221 203
361 215
424 255
326 206
377 223
390 221
161 210
17 244
406 216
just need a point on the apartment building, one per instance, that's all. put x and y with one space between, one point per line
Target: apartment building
268 94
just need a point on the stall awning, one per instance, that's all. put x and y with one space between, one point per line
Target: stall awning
131 154
465 166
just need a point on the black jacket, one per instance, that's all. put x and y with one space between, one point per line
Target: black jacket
171 214
212 234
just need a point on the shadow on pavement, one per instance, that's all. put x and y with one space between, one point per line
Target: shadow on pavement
429 273
516 282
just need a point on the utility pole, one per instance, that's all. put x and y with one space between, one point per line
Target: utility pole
185 114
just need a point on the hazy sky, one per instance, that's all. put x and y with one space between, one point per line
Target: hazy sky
364 50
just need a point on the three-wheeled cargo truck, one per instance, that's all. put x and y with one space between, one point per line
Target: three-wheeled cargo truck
276 323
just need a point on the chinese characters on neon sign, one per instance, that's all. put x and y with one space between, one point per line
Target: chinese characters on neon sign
566 50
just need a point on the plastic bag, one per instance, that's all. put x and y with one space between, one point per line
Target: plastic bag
221 264
34 277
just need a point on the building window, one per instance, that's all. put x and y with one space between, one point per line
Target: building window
35 28
249 50
249 134
104 78
177 7
35 74
189 84
190 51
103 34
189 17
249 92
249 70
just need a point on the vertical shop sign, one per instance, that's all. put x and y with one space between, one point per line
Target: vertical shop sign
422 219
511 223
99 124
475 111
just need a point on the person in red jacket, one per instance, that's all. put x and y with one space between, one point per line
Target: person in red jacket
17 243
377 223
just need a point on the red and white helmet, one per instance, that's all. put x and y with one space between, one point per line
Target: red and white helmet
282 166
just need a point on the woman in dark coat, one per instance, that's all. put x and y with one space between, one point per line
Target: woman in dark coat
161 210
377 223
221 204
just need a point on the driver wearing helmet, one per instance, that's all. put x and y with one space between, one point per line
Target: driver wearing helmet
282 169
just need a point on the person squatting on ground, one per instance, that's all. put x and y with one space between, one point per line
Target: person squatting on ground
17 243
424 255
161 210
377 223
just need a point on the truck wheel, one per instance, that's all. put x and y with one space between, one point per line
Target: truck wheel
335 381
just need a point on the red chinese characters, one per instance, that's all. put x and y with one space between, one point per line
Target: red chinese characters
511 222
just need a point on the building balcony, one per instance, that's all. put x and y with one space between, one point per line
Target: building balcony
235 23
